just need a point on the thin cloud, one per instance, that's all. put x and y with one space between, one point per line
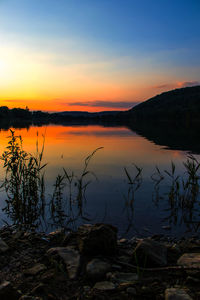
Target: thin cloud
188 83
181 84
163 86
108 104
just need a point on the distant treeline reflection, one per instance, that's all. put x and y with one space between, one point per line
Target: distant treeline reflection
170 135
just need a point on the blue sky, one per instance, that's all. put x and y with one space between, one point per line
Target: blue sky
125 48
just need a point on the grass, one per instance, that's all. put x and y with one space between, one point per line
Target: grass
70 189
182 193
23 182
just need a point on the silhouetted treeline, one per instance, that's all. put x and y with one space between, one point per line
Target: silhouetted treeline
21 118
80 117
15 113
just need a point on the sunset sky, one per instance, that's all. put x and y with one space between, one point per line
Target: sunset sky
96 55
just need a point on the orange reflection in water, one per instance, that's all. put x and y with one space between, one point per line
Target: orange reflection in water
67 146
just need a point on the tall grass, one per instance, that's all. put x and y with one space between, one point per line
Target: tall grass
134 181
183 192
23 182
70 189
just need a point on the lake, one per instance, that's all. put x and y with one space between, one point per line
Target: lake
140 210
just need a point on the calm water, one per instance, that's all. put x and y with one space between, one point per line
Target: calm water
107 197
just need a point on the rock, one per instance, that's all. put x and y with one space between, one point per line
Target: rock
86 288
173 253
56 233
116 267
96 269
71 258
5 233
125 259
7 292
48 275
150 253
3 246
132 291
104 286
193 272
56 236
97 239
189 260
27 297
35 269
192 280
39 289
120 277
17 235
175 248
176 294
123 241
166 227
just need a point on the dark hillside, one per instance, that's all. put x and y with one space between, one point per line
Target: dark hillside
176 105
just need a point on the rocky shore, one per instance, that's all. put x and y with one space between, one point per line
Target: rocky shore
92 263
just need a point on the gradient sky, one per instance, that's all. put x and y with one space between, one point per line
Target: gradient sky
96 54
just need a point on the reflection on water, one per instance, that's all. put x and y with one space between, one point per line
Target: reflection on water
137 198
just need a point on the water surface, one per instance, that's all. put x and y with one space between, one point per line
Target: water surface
107 196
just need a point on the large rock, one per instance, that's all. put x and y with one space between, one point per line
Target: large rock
150 253
71 258
176 294
3 246
97 239
189 260
96 269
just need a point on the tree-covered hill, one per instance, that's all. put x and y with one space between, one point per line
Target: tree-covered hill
176 105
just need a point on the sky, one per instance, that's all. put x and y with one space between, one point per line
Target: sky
94 55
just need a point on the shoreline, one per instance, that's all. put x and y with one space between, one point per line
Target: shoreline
92 263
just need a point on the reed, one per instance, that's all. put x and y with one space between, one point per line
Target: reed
69 196
182 193
24 182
